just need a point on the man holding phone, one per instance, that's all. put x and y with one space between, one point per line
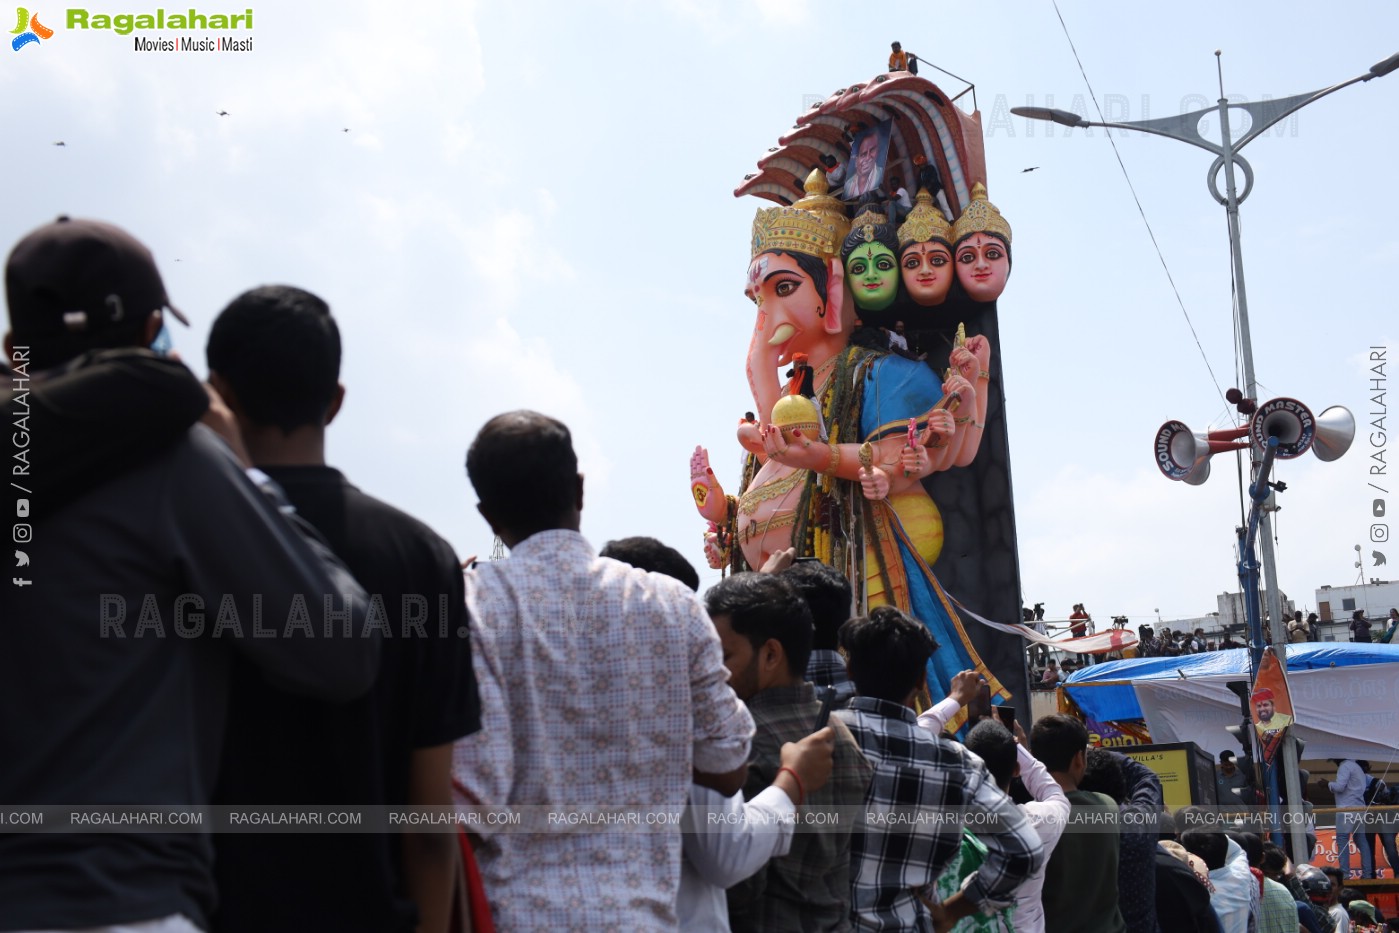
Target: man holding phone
1007 756
897 860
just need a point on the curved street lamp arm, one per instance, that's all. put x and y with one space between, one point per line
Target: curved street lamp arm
1268 113
1181 127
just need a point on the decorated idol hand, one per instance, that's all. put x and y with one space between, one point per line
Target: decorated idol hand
704 486
800 453
915 461
981 349
750 436
874 483
965 390
941 426
970 374
972 359
714 554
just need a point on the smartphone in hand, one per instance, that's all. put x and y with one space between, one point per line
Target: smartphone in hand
828 697
980 707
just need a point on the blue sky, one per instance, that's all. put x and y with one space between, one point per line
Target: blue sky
533 208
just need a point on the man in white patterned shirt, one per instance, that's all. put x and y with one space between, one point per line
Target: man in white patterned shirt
602 686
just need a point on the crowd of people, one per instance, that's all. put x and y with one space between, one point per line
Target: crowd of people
213 615
1045 673
204 613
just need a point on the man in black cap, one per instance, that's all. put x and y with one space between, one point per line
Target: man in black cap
151 560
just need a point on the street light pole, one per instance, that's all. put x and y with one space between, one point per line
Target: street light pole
1260 470
1185 128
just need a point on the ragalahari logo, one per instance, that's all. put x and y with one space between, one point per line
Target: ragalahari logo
28 29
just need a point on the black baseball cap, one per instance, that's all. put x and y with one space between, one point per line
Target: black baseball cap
74 284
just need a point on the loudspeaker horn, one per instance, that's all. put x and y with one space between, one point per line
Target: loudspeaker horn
1335 430
1185 456
1179 453
1287 419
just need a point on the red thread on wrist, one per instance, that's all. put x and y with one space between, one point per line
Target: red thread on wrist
801 791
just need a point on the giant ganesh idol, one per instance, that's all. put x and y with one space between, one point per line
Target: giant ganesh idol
887 464
837 469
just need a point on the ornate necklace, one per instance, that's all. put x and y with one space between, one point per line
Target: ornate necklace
748 502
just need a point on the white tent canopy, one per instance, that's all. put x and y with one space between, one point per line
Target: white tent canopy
1345 697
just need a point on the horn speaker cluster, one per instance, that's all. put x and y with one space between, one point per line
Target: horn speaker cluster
1184 455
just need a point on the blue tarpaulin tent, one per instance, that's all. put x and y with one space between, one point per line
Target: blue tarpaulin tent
1345 697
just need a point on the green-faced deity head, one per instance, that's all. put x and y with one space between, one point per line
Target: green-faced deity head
870 254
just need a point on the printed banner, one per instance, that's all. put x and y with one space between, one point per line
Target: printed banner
1271 704
1115 734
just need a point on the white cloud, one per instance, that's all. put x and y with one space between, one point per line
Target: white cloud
512 257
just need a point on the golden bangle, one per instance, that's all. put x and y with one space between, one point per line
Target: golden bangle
962 420
833 463
982 374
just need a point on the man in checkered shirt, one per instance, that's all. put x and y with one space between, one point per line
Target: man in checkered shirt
924 788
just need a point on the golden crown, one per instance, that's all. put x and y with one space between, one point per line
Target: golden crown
820 202
869 215
925 222
788 228
981 216
814 225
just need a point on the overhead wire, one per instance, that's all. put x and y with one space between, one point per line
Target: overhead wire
1140 210
1180 302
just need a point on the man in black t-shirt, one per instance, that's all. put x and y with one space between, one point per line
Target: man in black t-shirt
275 351
1359 626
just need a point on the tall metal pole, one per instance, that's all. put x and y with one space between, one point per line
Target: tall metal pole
1258 492
1185 128
1276 626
